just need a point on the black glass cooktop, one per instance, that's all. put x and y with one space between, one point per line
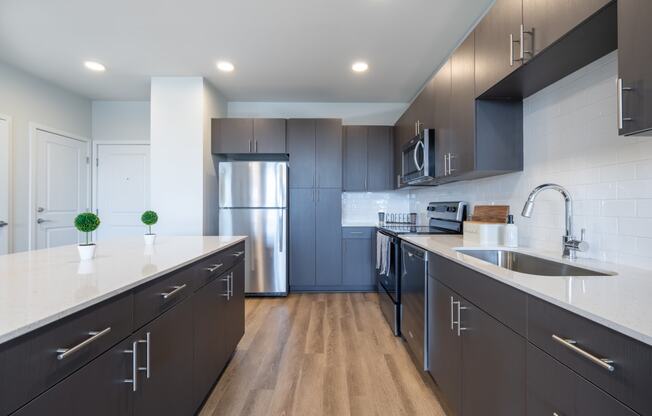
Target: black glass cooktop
414 229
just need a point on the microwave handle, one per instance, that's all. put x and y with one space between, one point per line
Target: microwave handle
416 148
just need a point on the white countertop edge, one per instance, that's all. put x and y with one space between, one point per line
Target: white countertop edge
92 302
485 268
360 224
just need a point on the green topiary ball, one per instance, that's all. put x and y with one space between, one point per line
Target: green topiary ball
87 222
149 218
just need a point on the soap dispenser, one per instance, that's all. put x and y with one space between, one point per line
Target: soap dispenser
510 233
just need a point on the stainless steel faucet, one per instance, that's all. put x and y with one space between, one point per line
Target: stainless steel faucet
570 244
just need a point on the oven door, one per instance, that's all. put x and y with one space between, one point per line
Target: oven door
390 281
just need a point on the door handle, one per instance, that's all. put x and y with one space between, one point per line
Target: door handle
416 161
281 232
134 366
41 220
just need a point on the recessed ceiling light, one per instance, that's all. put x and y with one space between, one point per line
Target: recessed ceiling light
95 66
225 66
360 66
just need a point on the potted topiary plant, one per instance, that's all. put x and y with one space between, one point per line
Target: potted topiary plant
149 218
87 222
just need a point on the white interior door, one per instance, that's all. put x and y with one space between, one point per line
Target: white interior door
4 186
122 189
62 187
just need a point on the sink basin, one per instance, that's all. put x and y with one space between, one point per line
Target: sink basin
524 263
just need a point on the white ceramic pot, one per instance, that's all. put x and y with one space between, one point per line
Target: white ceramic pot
86 252
150 239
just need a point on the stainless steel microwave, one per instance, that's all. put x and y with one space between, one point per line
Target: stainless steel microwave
418 159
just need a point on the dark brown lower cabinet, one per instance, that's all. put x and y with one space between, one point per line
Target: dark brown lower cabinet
234 309
165 353
97 389
209 304
554 389
493 365
444 346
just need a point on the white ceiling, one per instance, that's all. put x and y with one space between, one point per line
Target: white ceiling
283 50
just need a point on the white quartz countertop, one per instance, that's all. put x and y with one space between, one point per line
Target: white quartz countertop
621 302
42 286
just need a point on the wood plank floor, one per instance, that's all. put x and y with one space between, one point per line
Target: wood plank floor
320 354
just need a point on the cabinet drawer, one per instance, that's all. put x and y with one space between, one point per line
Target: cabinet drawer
216 264
554 389
503 302
157 297
631 377
33 363
358 232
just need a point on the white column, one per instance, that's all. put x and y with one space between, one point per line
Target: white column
182 168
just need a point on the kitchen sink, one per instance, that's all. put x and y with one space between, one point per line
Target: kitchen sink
524 263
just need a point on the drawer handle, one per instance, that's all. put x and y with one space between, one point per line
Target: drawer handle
238 254
65 352
213 267
176 290
571 345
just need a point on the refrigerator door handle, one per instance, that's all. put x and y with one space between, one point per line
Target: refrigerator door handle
281 231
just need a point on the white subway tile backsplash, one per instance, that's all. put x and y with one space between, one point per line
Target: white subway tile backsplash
571 138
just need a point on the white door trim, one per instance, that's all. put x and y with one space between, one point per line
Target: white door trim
33 129
10 220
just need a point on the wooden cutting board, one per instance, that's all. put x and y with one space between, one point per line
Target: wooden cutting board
490 213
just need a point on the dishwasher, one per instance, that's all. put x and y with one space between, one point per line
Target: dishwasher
414 325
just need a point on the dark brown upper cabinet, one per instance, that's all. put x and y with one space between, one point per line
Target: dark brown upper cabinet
404 130
247 135
634 67
441 86
497 47
315 148
459 155
546 21
367 158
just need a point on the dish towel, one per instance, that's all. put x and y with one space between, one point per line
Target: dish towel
382 254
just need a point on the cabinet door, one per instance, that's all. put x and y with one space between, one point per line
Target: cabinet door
493 49
634 63
554 389
235 309
99 389
168 390
413 302
444 346
379 158
552 19
328 137
301 147
404 130
493 365
355 158
209 330
442 86
302 237
357 263
461 146
269 135
232 135
329 237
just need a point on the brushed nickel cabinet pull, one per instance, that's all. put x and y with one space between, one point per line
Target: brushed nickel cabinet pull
572 345
134 366
176 290
213 267
95 335
147 367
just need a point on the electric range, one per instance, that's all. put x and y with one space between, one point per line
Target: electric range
443 218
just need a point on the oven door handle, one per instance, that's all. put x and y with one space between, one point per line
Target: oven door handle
416 151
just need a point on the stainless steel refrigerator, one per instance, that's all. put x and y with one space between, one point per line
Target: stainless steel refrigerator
253 202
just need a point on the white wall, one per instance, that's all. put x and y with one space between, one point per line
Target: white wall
120 120
570 138
183 180
382 114
29 99
214 106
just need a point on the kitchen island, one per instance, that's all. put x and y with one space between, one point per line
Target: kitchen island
137 330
